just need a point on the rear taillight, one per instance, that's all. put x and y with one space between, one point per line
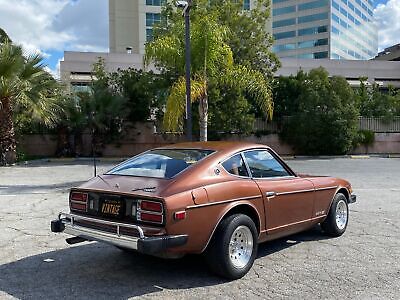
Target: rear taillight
78 201
150 211
151 206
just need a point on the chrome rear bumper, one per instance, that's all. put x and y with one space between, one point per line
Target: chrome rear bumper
151 245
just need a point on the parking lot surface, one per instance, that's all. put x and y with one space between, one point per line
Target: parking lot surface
362 264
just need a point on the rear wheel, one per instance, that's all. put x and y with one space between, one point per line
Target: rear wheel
233 248
335 223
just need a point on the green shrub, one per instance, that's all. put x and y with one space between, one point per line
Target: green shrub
364 137
323 112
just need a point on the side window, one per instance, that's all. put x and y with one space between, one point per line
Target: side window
235 166
263 165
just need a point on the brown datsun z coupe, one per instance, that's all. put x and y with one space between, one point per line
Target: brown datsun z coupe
216 198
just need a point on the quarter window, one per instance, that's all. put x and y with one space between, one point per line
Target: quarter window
235 166
263 165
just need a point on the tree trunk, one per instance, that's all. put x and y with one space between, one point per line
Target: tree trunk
203 117
8 153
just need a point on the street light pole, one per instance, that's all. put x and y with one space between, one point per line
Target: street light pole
187 64
186 5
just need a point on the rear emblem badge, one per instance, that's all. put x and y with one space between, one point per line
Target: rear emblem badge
117 185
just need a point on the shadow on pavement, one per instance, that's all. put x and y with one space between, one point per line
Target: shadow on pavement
95 270
37 188
313 234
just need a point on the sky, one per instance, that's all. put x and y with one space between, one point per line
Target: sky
54 26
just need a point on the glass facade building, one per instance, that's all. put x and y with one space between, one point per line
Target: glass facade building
336 29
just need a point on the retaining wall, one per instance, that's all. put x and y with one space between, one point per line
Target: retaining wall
142 138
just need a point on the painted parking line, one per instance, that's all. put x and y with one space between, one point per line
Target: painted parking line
359 156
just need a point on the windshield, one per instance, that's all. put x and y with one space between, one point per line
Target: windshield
161 163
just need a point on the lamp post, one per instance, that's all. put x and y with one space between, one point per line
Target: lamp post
186 5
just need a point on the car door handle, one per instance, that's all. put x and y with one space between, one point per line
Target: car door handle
270 194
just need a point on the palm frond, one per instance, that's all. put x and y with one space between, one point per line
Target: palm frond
254 83
176 101
165 51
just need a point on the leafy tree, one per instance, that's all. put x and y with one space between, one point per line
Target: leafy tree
212 63
249 34
102 109
113 100
323 114
25 88
145 93
373 102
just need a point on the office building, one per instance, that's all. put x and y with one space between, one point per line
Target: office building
336 29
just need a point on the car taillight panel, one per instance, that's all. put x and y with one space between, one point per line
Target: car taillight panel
147 217
151 206
79 196
78 201
149 211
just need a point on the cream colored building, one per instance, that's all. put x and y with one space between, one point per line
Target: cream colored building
131 23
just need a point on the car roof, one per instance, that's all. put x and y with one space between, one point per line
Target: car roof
215 145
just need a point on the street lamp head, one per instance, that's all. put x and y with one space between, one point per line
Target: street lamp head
181 3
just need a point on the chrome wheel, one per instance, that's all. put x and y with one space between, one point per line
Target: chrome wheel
341 215
241 247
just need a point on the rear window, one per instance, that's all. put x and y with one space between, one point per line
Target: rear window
161 163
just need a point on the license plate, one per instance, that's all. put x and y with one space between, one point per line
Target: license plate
111 207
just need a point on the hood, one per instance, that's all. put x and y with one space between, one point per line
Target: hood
140 186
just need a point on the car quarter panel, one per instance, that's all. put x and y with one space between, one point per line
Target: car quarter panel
202 219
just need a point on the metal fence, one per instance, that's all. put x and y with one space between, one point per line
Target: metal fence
380 124
375 124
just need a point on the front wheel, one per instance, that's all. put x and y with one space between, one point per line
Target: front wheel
335 223
233 248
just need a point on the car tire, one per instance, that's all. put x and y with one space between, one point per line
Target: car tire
233 247
335 223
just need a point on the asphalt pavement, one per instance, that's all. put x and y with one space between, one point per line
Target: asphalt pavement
364 263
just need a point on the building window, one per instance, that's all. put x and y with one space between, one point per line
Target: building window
80 87
315 55
151 19
284 35
313 43
318 55
284 10
312 18
286 22
284 47
155 2
246 4
149 34
313 30
312 5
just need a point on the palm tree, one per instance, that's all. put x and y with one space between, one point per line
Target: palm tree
25 87
212 59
